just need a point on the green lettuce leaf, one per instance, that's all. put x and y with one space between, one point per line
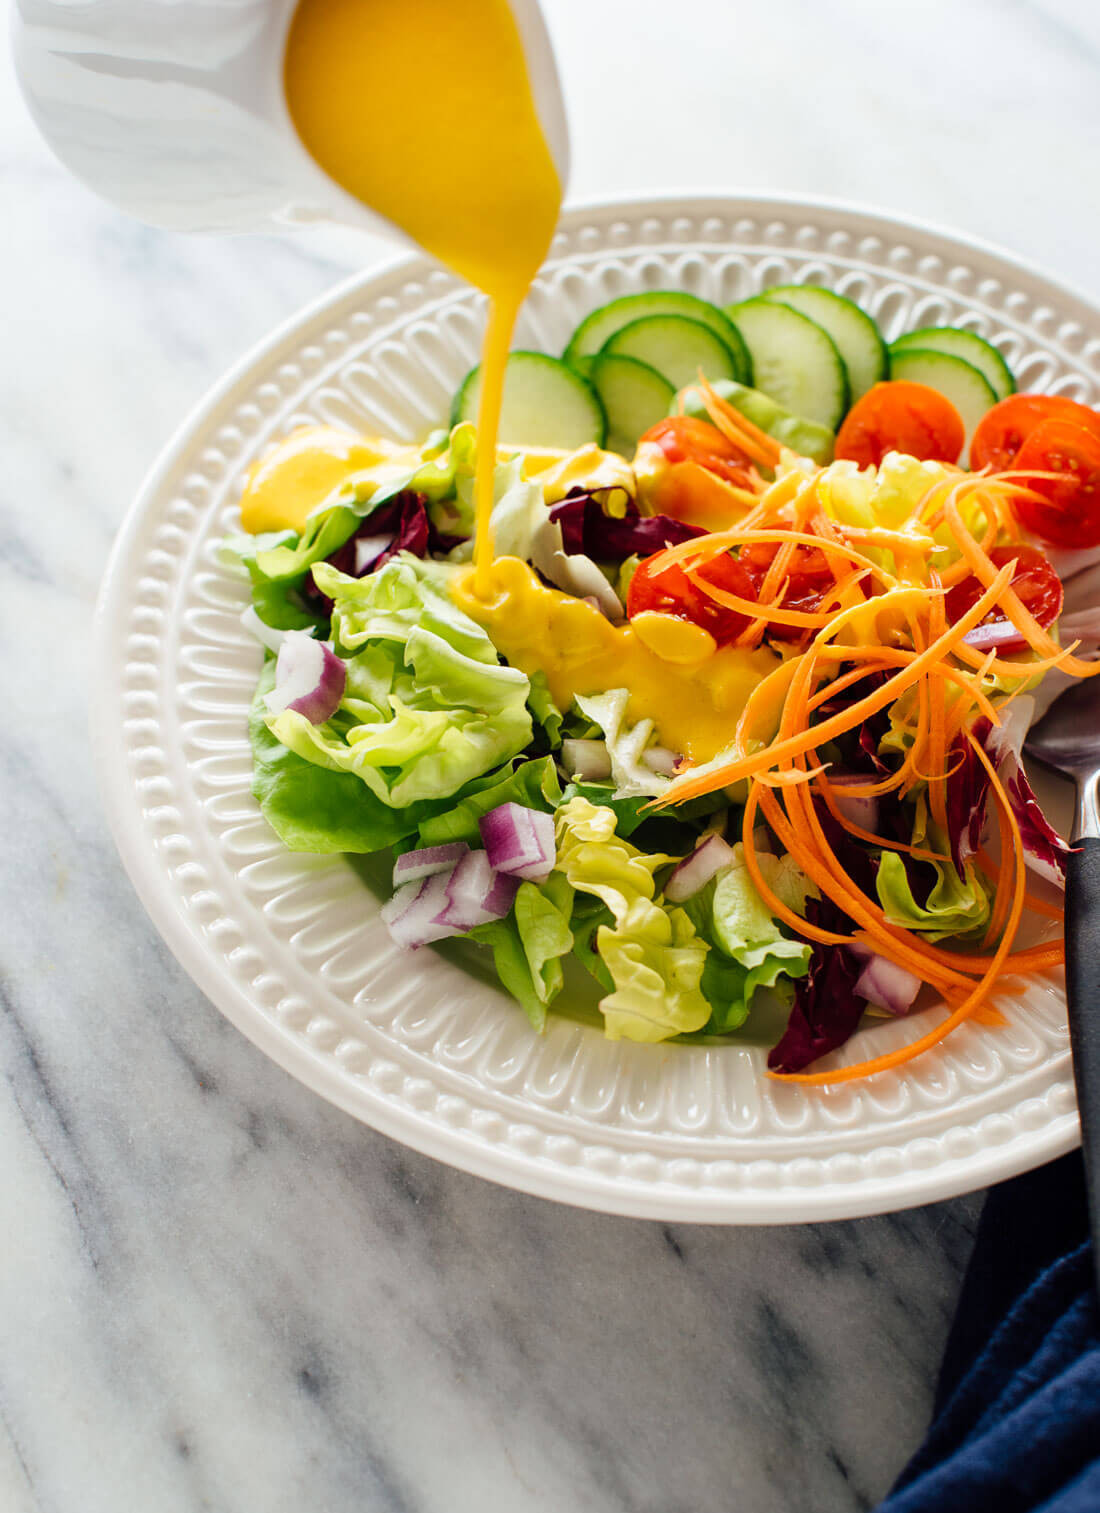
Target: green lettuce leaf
955 906
427 707
512 966
528 945
311 808
533 784
749 949
544 711
652 953
542 917
625 743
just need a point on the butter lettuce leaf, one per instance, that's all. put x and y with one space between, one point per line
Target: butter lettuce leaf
651 952
749 949
312 808
427 706
955 906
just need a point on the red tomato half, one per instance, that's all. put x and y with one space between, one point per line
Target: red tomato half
1068 512
809 578
1035 581
673 593
1002 431
899 416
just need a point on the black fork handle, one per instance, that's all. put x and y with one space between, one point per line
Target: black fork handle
1083 995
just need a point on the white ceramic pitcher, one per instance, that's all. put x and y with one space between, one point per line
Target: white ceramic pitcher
175 111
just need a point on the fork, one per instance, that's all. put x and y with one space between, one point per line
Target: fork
1067 740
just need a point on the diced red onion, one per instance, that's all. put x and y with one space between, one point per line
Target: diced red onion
412 914
696 870
857 808
884 983
1000 633
588 760
309 678
267 635
519 841
476 893
368 549
661 760
413 865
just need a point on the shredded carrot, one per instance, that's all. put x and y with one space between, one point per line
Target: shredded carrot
719 774
737 428
973 1000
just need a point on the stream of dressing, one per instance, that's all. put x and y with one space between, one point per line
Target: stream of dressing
423 111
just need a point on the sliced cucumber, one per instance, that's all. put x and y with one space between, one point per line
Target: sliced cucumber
956 380
546 404
634 396
677 347
795 361
857 338
802 436
965 344
597 328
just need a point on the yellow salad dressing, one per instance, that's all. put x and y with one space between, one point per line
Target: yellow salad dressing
422 109
692 691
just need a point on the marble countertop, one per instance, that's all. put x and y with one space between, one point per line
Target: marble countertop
216 1292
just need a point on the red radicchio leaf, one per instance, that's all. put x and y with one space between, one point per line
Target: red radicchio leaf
826 1011
1042 843
405 518
966 796
585 529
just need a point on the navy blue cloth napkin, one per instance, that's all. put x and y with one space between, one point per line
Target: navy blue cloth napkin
1017 1417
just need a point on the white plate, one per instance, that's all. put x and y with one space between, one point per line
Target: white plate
290 948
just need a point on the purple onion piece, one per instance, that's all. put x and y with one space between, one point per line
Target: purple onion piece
475 894
1000 633
309 678
413 865
519 841
696 870
884 983
412 914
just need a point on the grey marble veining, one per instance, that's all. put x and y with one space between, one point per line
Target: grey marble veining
216 1292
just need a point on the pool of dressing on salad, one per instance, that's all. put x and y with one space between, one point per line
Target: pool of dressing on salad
423 111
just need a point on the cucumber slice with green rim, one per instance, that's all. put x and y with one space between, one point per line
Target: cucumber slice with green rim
596 329
634 396
794 360
677 347
970 347
955 379
854 333
546 404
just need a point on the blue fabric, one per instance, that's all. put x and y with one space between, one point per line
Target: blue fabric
1017 1417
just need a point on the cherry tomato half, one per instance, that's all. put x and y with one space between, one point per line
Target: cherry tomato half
1002 431
1068 512
899 416
685 438
672 593
809 578
1035 581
